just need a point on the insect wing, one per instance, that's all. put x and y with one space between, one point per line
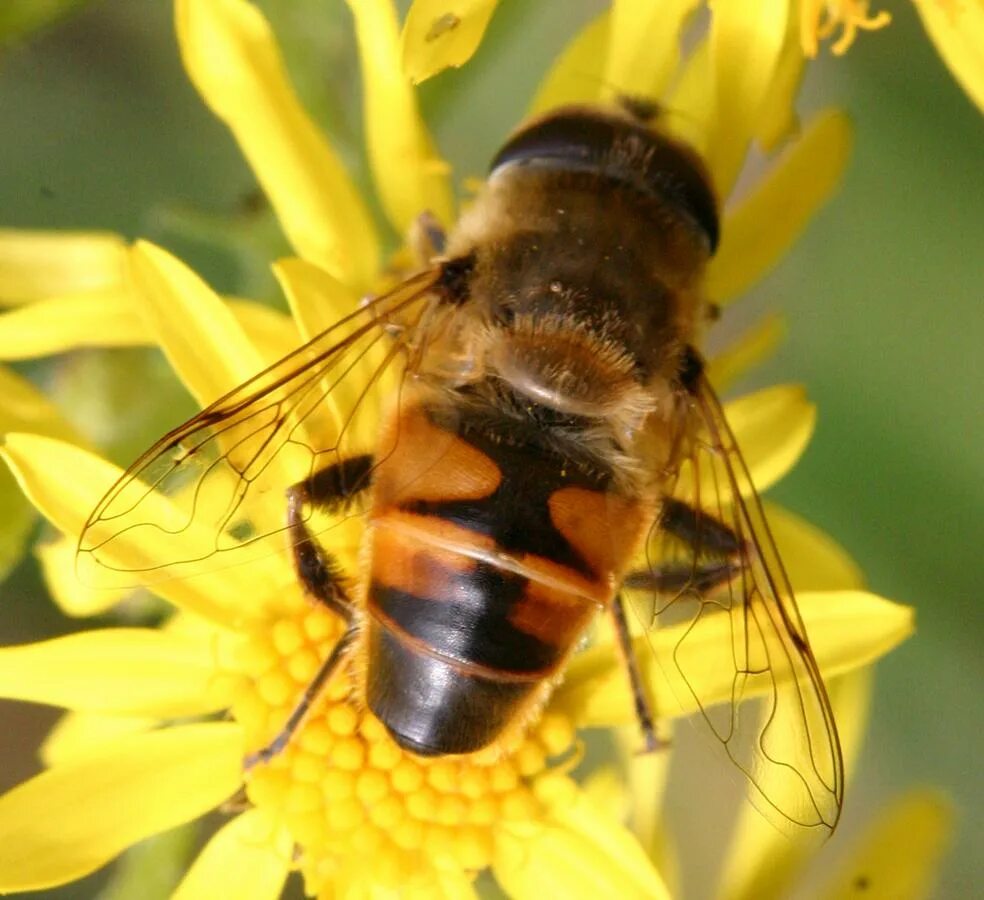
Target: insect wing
715 576
210 494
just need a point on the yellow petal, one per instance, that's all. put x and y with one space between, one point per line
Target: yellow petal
76 735
71 820
957 29
440 34
316 299
111 318
36 264
772 428
576 853
644 45
232 58
752 348
105 318
746 40
900 852
116 671
762 862
247 857
766 223
410 177
777 117
577 75
847 629
39 464
272 333
813 560
690 103
24 408
57 559
196 330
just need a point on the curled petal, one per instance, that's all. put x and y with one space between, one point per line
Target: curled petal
36 264
70 820
232 58
116 671
410 177
441 34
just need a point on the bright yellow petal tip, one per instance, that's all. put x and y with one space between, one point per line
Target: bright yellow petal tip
441 34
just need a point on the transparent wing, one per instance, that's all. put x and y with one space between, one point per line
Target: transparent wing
715 576
210 494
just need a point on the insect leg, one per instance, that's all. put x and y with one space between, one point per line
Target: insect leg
715 553
643 709
330 488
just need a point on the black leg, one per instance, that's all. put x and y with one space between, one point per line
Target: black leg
643 709
715 553
330 489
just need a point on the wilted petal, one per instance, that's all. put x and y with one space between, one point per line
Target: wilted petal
847 629
768 221
440 34
644 45
576 76
576 853
71 820
900 853
116 671
410 177
247 857
37 264
232 58
957 29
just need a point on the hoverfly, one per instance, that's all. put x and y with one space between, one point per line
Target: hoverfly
547 424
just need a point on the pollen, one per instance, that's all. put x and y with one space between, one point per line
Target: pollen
820 19
344 788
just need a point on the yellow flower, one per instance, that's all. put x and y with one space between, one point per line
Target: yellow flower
142 749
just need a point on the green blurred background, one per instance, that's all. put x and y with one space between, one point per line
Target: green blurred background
101 130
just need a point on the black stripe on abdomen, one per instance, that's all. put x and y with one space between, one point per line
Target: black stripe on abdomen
471 622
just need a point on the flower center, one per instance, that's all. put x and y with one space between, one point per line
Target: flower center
347 792
819 19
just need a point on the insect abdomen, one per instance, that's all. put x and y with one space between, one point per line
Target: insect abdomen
484 575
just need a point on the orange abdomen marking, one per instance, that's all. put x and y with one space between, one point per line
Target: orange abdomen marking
488 562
